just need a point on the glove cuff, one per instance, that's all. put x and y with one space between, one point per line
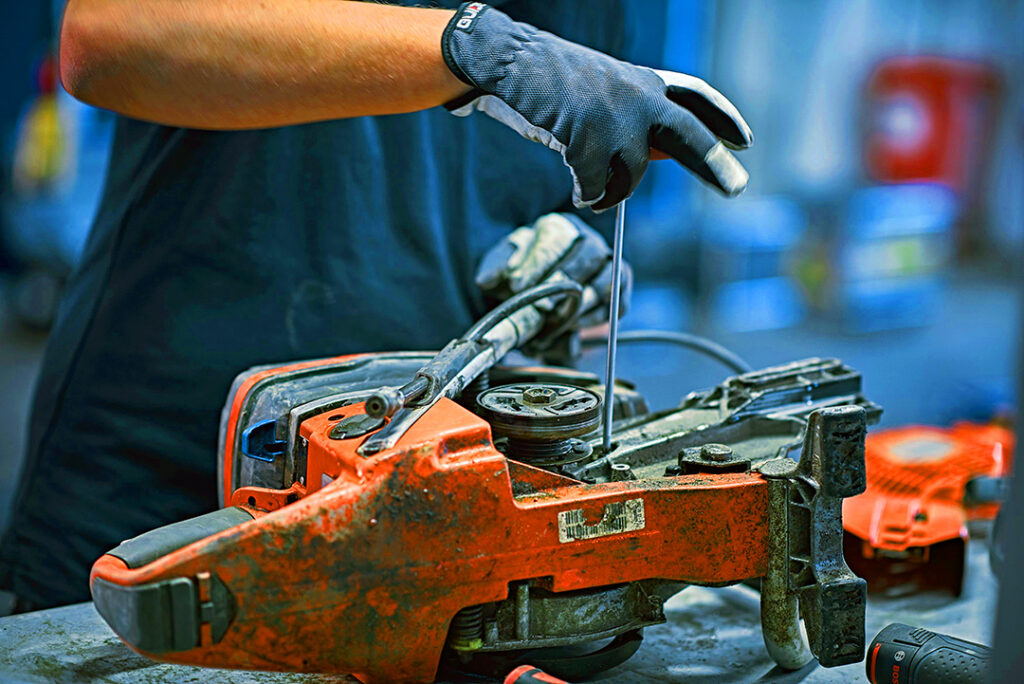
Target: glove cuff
478 45
466 16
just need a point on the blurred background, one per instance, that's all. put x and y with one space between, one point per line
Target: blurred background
883 224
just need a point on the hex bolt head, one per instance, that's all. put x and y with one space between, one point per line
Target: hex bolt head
716 452
539 396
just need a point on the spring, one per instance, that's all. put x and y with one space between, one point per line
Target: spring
531 451
467 629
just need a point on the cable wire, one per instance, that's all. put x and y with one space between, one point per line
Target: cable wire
694 342
570 289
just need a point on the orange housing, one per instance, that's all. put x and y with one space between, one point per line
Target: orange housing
915 497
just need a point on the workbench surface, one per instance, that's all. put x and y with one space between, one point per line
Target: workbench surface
711 635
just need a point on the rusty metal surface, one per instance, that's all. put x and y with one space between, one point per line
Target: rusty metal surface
711 635
807 515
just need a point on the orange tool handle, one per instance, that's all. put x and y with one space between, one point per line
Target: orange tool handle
528 674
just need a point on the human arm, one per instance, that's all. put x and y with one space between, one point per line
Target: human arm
254 63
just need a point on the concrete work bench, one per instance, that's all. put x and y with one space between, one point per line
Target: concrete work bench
711 635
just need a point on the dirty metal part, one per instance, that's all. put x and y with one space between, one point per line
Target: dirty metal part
554 455
387 401
355 426
807 575
540 411
709 458
795 388
621 472
541 625
542 421
533 617
760 415
783 632
628 403
467 628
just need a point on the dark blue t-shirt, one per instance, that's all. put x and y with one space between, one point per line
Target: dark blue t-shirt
216 251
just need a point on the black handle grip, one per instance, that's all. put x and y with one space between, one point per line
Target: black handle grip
902 654
149 546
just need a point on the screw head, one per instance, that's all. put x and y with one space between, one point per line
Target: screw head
716 452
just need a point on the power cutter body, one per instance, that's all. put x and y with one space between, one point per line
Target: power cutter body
458 548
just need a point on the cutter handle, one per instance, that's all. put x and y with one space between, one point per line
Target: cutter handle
162 615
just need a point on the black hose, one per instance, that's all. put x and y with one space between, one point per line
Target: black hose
522 300
694 342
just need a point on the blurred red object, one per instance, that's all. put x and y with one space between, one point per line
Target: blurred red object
924 484
46 75
931 119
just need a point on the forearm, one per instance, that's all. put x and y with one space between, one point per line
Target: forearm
254 63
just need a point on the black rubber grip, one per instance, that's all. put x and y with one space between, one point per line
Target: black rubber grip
149 546
902 654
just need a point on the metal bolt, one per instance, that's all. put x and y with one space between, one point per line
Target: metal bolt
620 472
539 395
778 468
715 452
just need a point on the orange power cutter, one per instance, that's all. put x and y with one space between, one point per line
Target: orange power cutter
924 485
403 516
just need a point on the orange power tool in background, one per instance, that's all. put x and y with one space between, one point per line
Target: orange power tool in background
925 487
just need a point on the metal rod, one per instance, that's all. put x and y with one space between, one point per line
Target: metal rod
613 326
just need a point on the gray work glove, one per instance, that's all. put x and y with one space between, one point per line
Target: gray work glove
601 114
555 247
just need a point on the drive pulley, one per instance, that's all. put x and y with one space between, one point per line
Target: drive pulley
542 421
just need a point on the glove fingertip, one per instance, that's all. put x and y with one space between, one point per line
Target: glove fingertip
487 281
729 174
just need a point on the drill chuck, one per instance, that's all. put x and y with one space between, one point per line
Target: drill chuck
902 654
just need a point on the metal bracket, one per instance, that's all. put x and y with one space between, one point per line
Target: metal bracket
808 578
